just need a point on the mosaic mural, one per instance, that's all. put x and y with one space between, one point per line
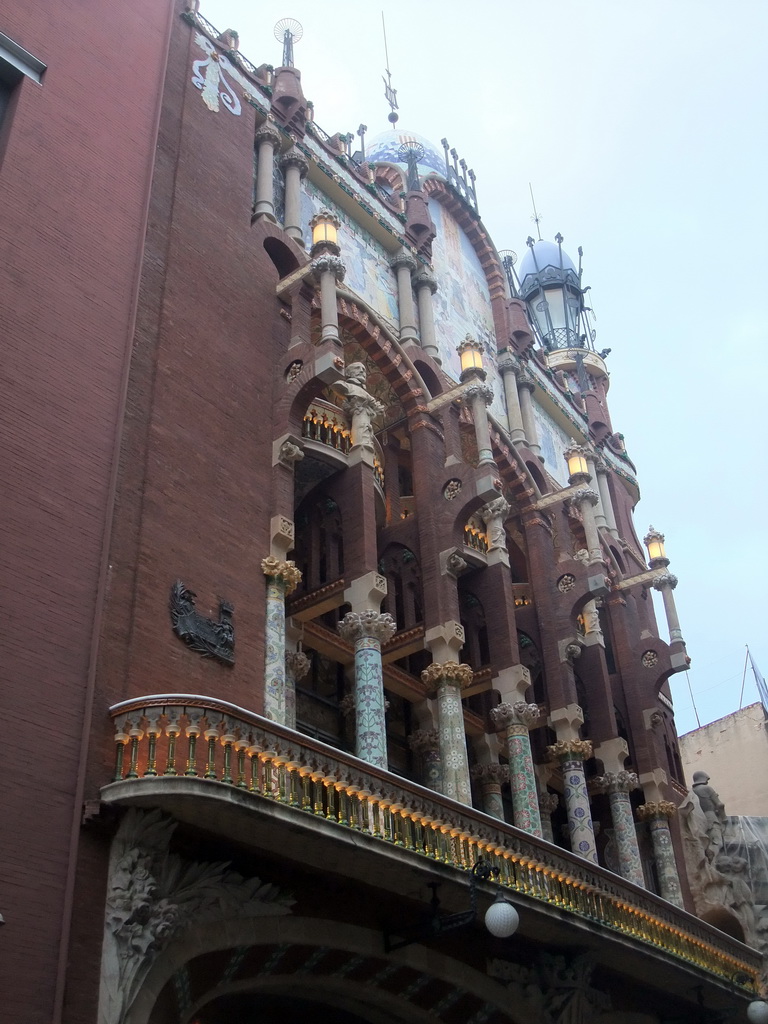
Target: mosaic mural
366 261
462 302
553 440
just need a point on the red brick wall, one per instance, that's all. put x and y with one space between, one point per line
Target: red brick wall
74 180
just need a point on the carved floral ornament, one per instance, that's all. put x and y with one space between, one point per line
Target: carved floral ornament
490 774
665 579
519 713
566 582
478 390
570 750
424 740
616 782
549 802
327 262
284 572
452 490
448 672
655 810
368 624
649 659
585 495
298 664
154 896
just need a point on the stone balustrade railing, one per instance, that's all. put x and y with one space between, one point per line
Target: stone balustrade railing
173 735
328 425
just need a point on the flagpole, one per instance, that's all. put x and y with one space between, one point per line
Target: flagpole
743 677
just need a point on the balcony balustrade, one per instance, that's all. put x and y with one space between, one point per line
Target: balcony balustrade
326 424
173 736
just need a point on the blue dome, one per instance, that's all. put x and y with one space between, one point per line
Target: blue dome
547 254
384 148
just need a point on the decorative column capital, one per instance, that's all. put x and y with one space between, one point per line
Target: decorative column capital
267 133
295 158
493 774
368 624
574 448
403 258
447 672
656 809
526 381
297 664
616 782
549 802
585 495
424 740
328 262
519 713
666 579
509 363
570 750
424 279
282 572
478 390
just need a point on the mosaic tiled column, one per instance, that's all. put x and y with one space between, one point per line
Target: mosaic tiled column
296 667
426 743
282 578
572 754
449 678
548 804
267 138
657 814
516 719
368 630
618 786
491 776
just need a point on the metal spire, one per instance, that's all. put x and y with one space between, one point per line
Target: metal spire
389 92
288 31
536 218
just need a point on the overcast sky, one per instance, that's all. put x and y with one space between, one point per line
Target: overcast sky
642 128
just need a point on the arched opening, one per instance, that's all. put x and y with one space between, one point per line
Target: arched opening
538 476
429 377
725 921
284 260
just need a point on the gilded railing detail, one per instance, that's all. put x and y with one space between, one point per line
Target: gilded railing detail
159 736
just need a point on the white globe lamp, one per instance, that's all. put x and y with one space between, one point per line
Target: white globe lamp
501 920
757 1012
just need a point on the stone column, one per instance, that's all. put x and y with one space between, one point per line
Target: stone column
572 754
509 367
548 804
493 515
525 389
516 720
593 634
600 518
605 496
666 583
618 786
478 396
657 814
282 578
449 678
296 667
368 630
426 286
491 776
586 499
267 139
403 264
328 269
426 743
295 165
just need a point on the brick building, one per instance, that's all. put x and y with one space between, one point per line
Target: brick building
315 504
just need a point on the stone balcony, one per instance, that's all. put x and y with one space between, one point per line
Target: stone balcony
229 771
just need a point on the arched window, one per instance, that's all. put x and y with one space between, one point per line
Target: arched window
476 651
404 600
319 551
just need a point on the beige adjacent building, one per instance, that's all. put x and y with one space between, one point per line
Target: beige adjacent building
734 752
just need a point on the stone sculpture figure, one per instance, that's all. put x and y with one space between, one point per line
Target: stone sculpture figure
358 403
714 811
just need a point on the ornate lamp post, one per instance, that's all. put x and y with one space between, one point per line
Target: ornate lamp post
329 268
478 395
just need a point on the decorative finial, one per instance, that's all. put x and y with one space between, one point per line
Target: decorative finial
288 31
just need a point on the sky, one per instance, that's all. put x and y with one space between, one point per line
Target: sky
642 130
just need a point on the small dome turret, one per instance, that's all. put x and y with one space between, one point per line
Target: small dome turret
551 286
385 149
